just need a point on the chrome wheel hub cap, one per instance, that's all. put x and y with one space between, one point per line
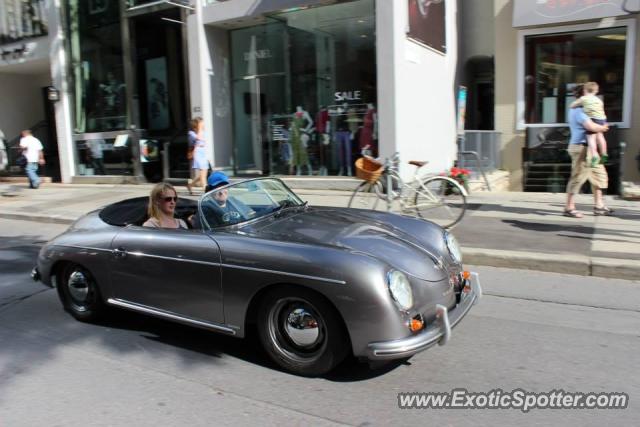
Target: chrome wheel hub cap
302 328
78 286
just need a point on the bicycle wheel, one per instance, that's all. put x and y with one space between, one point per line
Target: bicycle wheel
367 196
440 200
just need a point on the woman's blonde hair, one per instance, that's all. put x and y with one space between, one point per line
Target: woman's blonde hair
195 123
154 197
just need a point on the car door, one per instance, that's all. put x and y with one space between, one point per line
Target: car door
176 271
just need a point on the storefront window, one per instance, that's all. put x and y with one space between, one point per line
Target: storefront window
107 154
555 63
97 65
304 90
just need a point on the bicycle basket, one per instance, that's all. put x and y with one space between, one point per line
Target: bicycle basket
368 169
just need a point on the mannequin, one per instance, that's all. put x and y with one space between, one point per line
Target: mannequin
343 137
354 122
299 137
369 133
323 129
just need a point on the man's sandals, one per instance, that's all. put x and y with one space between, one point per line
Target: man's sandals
573 213
603 211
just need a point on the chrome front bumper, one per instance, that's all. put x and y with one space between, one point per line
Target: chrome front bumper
438 331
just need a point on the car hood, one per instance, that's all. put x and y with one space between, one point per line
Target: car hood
413 246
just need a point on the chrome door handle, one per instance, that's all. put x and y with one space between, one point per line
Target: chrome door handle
119 252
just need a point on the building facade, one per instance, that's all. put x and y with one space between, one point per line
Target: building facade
302 87
26 30
530 54
284 87
127 86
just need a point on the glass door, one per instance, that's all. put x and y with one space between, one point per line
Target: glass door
260 122
259 92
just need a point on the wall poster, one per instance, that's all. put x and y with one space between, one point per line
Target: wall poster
157 96
427 23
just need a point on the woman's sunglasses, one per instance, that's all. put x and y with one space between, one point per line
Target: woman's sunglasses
170 199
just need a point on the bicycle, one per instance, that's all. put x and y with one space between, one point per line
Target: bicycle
436 198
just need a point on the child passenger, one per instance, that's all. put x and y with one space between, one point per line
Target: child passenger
594 108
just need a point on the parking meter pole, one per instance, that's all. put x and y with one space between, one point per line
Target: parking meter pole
621 167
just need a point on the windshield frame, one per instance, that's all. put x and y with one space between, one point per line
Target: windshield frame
291 195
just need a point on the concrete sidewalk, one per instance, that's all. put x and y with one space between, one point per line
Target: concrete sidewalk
517 230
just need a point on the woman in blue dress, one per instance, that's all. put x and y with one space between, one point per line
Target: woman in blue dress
199 162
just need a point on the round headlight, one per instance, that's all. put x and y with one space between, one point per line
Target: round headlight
454 247
400 289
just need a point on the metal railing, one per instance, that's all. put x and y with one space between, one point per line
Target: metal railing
479 151
486 144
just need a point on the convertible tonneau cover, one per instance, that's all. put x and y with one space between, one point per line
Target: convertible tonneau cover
134 211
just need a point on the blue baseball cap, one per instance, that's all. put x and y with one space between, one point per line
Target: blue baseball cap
217 179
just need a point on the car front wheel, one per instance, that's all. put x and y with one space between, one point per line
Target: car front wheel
79 293
302 332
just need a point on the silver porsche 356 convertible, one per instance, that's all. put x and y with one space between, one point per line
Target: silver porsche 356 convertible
319 283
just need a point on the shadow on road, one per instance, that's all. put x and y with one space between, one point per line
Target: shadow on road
216 346
34 328
567 228
549 227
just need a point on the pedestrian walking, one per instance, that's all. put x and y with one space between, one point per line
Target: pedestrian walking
97 156
32 149
580 123
198 154
594 108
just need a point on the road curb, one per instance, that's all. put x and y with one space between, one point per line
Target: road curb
618 268
38 218
551 262
581 265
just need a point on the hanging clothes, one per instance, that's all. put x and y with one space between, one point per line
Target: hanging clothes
322 118
366 135
299 151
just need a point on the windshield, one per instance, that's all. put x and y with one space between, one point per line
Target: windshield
245 201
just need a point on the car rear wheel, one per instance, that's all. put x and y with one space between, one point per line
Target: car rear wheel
301 331
79 293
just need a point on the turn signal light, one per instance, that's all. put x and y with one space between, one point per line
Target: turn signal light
416 325
466 275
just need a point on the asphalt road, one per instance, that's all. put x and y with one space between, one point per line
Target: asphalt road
535 331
